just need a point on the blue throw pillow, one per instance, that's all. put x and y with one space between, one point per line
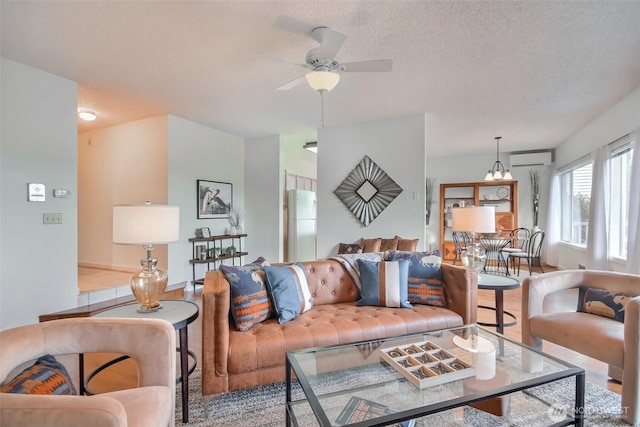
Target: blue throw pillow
250 303
289 291
602 302
426 282
384 283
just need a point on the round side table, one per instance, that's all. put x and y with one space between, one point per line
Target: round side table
498 284
180 314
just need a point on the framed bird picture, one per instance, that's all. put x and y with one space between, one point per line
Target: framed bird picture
215 199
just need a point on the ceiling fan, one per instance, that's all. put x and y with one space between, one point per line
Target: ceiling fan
325 67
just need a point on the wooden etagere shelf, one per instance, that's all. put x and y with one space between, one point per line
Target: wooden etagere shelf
214 250
501 194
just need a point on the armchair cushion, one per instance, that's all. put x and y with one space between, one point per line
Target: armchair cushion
602 302
45 376
384 283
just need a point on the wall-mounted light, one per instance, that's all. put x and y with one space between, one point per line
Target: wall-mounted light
86 114
311 146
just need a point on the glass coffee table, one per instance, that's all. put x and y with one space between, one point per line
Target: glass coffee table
376 383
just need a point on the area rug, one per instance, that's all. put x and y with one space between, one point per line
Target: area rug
263 406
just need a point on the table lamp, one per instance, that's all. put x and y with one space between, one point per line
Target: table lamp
474 219
147 225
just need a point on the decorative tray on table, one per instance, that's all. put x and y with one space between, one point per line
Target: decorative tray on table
426 364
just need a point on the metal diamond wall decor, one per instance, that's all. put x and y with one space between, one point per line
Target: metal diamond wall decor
367 191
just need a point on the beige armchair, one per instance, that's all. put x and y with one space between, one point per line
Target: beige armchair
549 304
150 342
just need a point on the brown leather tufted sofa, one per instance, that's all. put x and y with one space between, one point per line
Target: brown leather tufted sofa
233 360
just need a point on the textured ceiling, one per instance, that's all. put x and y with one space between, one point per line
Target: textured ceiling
533 72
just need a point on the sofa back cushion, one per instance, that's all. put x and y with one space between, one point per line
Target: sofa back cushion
329 282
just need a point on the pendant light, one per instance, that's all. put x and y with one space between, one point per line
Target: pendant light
498 172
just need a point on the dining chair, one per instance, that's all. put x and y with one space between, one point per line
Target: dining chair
532 253
519 239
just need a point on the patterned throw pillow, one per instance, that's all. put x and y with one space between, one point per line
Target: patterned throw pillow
602 302
384 283
426 283
289 291
250 303
45 376
371 245
353 248
389 244
407 244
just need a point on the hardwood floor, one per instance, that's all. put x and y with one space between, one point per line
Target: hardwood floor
124 375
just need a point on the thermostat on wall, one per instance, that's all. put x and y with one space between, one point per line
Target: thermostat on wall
36 192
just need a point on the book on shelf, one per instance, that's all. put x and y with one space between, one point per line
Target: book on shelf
359 409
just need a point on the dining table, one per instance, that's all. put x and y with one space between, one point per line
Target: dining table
495 262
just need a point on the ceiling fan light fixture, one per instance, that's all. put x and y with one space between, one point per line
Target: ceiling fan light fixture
86 114
322 80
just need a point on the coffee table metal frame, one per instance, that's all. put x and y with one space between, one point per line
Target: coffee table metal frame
180 314
294 368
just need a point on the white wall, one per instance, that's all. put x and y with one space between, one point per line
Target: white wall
123 164
398 147
296 159
38 272
619 120
199 152
264 198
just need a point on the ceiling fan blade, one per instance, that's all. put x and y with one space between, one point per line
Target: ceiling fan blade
292 83
331 41
375 65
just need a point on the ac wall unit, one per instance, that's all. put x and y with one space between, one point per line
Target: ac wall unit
540 158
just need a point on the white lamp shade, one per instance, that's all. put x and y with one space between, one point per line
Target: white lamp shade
146 224
322 80
477 219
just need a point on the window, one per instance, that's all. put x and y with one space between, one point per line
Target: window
620 191
575 191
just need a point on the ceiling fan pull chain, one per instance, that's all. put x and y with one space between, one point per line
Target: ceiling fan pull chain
322 107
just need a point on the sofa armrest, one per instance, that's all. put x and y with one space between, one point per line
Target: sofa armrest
216 302
462 291
631 373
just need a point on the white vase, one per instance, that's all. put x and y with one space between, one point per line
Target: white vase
233 231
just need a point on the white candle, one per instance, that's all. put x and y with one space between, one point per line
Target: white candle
484 361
